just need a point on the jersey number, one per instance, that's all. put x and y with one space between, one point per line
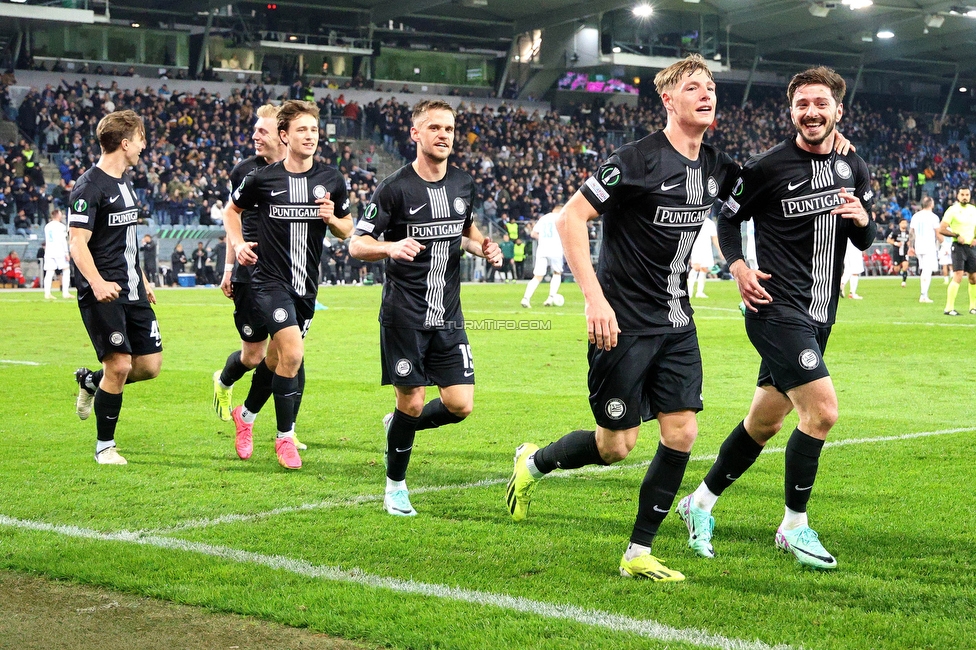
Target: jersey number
154 333
466 356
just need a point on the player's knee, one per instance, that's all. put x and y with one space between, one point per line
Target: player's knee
251 358
461 410
615 449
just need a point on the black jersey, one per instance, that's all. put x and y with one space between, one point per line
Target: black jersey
789 193
249 218
900 238
290 230
653 201
107 207
424 293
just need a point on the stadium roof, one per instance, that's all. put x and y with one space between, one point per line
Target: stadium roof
931 38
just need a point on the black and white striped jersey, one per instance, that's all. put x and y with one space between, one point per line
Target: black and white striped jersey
250 216
653 201
424 293
789 194
290 230
107 207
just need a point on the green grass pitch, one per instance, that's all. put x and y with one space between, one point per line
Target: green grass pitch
187 521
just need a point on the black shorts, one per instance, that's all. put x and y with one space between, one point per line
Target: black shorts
246 317
791 350
437 357
643 376
275 309
118 326
897 258
963 258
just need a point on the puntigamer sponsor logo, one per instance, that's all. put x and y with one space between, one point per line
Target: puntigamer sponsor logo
681 217
435 230
294 212
819 203
126 218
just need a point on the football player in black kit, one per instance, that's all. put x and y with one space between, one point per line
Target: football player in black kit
299 201
236 285
423 210
654 195
113 293
807 201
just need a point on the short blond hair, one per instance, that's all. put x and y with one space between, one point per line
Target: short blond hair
422 107
268 110
668 78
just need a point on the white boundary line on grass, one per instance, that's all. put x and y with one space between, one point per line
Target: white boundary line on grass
953 324
490 482
19 363
595 618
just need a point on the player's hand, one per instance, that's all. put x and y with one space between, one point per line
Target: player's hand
851 208
601 323
245 254
226 286
106 291
326 208
150 295
842 145
405 250
492 252
750 290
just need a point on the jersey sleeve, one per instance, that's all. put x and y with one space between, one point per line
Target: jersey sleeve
376 217
340 196
862 238
83 205
730 176
469 212
246 195
620 176
742 201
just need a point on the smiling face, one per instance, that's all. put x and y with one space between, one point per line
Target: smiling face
265 137
302 136
692 100
815 113
433 132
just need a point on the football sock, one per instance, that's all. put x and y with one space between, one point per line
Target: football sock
285 390
531 287
399 443
435 414
704 498
951 293
66 283
48 281
972 296
702 276
661 483
393 486
926 281
102 445
853 284
233 370
735 456
107 407
634 550
301 391
533 470
554 283
793 519
843 284
904 276
802 459
94 379
260 391
576 449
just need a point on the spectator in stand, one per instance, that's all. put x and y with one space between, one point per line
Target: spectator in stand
149 259
177 262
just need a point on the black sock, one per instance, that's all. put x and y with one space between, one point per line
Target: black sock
285 390
107 407
260 391
399 442
904 276
435 414
94 379
576 449
233 370
657 492
802 460
735 456
301 391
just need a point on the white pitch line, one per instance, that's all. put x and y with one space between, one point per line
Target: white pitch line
19 363
490 482
595 618
935 324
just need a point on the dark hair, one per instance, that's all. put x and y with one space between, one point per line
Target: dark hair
295 108
822 76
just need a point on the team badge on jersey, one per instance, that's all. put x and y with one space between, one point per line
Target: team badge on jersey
279 315
842 169
247 330
737 190
809 359
459 205
616 408
318 192
610 175
80 205
712 186
403 368
116 339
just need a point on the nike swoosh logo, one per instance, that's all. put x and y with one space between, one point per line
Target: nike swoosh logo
793 186
278 192
730 477
418 209
656 509
403 451
468 373
665 188
401 510
114 198
799 489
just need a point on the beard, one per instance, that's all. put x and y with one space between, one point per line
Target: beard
829 124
